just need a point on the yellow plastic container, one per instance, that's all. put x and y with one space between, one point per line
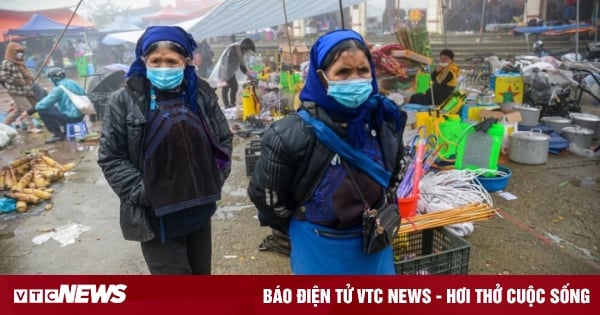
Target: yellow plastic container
250 104
424 119
507 86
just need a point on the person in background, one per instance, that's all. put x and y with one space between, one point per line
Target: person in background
56 109
203 59
231 62
17 80
303 188
70 51
59 57
445 79
165 150
81 48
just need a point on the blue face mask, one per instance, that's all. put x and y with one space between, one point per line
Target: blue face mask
165 78
350 93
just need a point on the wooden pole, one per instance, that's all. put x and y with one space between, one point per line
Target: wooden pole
577 32
443 16
342 13
596 2
290 32
481 26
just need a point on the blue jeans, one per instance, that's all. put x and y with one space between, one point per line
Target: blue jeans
53 120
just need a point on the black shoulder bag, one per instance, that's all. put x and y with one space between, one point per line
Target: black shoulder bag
379 226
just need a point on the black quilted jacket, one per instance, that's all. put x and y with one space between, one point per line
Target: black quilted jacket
120 155
293 162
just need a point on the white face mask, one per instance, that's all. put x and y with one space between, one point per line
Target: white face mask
444 64
20 55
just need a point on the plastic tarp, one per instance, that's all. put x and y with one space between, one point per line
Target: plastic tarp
122 24
235 16
552 30
16 19
40 25
35 5
168 13
133 36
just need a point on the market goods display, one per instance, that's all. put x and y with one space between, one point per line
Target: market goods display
462 214
27 180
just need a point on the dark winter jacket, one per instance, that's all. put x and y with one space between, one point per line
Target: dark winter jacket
120 153
293 162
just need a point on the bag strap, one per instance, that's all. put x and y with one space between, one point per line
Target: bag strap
65 89
366 204
69 92
355 157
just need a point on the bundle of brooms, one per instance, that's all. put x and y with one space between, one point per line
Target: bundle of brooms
468 213
28 179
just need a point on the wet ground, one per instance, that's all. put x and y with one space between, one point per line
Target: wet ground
551 228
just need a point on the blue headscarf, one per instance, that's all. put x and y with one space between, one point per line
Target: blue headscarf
377 106
175 34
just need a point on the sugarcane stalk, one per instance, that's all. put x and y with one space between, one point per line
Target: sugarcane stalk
23 182
2 174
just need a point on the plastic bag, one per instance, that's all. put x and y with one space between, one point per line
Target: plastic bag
4 139
7 205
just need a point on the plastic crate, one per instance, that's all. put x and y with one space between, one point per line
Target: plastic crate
252 154
431 252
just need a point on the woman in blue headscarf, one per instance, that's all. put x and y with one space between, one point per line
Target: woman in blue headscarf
165 150
321 167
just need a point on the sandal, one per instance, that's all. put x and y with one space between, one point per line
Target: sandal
270 243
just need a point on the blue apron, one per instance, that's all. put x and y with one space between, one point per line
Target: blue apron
319 250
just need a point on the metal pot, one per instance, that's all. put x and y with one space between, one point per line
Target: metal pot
578 135
530 116
529 147
587 121
556 122
486 98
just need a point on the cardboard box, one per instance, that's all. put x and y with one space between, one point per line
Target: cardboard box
299 54
471 111
510 117
510 121
411 55
511 84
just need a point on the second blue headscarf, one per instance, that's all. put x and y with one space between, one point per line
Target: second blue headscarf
377 106
175 34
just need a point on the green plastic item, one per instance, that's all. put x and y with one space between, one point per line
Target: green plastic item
451 130
420 41
423 80
288 82
480 150
507 97
82 65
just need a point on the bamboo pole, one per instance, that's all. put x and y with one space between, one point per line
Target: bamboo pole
37 75
467 213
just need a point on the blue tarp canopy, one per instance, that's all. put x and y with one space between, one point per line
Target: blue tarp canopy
552 29
42 25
